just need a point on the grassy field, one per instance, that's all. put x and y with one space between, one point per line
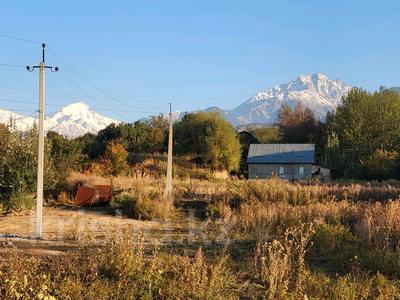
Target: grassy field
216 239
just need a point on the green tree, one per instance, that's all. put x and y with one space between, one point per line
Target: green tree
66 155
18 166
142 136
367 129
149 136
267 135
208 137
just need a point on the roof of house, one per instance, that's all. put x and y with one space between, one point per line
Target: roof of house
281 153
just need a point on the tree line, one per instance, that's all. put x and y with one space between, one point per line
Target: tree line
360 140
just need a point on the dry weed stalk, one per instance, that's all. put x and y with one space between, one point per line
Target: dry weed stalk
279 264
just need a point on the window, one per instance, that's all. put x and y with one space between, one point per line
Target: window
281 170
301 170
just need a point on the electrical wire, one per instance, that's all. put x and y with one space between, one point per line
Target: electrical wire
18 39
94 86
59 105
91 97
12 66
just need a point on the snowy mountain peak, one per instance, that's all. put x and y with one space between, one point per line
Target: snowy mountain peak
75 108
77 119
72 120
315 91
22 123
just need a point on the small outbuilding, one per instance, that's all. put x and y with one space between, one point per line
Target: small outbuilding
287 161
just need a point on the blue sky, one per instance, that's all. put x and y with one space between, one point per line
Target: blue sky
195 54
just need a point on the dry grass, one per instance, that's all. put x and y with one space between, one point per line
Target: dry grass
124 269
275 190
119 270
357 235
279 265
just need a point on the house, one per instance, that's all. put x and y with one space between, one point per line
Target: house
288 161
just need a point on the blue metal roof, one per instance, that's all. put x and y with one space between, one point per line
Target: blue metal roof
281 154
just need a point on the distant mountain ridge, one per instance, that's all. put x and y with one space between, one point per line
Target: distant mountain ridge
316 92
71 121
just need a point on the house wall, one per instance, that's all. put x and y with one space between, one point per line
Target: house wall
291 171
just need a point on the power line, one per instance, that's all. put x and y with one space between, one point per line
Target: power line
18 110
18 39
90 96
93 85
12 66
62 93
95 108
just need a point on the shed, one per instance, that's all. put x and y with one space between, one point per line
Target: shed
287 161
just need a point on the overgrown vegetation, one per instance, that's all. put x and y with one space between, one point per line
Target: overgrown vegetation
288 240
124 268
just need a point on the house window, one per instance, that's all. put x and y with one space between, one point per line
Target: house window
301 170
281 170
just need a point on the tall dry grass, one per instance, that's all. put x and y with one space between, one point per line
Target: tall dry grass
276 190
119 270
125 269
280 266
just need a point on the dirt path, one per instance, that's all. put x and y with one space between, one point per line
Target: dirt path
64 227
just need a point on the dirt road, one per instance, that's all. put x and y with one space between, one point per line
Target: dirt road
63 228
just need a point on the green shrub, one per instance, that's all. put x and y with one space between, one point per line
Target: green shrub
334 248
143 204
136 205
21 201
386 262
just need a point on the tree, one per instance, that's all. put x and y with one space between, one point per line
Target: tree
267 135
367 129
300 125
18 166
142 136
149 136
209 138
114 161
66 155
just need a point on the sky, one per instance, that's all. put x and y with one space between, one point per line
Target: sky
129 59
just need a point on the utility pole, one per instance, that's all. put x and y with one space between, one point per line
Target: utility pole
168 187
39 194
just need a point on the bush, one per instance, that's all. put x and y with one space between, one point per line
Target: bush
143 204
334 248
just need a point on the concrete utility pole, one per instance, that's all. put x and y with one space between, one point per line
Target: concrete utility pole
168 187
39 194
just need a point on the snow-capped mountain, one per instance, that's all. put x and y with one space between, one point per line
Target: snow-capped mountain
316 92
22 123
77 119
71 121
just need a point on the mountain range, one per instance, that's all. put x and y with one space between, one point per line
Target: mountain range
72 120
316 92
